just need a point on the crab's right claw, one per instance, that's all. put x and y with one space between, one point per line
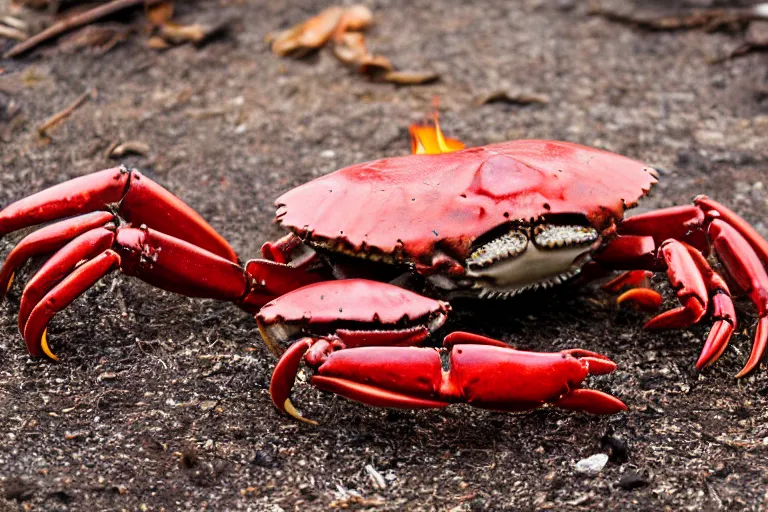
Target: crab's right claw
284 377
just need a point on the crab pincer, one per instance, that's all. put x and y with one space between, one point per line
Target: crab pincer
366 354
477 372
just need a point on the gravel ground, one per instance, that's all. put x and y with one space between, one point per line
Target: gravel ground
160 402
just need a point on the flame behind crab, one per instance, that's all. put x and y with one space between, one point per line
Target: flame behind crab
429 140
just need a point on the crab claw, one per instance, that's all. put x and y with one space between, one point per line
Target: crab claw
480 372
284 376
357 311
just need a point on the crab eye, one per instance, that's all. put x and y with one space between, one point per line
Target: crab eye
556 236
508 245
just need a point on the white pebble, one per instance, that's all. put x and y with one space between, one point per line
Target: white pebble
592 465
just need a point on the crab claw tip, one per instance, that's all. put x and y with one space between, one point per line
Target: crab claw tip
598 364
758 348
291 410
591 401
45 347
10 283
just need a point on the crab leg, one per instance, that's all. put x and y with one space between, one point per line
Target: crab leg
47 240
83 248
743 252
746 269
480 373
139 200
715 209
61 296
688 283
159 259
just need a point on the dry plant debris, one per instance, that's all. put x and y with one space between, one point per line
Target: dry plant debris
101 38
342 27
512 97
733 19
63 114
131 147
73 22
98 39
169 33
710 20
756 41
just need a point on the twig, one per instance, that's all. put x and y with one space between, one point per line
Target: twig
707 19
744 49
60 116
75 21
12 33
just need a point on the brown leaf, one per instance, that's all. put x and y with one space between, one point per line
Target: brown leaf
97 38
349 48
175 33
309 35
374 64
157 43
355 18
160 14
411 77
512 98
135 147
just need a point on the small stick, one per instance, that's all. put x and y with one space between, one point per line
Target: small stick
12 33
60 116
75 22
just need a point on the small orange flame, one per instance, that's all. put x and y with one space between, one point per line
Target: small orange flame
429 140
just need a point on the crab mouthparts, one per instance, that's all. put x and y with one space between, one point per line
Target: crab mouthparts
525 258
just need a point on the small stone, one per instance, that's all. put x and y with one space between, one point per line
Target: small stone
207 405
328 153
633 480
592 465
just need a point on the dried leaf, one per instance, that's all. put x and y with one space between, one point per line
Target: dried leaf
98 38
309 35
350 48
160 14
512 98
175 33
157 43
712 19
135 147
411 77
355 18
374 64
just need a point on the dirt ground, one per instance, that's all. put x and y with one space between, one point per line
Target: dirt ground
160 402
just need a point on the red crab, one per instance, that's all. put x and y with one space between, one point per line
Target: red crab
489 221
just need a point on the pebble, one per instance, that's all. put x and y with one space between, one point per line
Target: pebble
592 465
633 480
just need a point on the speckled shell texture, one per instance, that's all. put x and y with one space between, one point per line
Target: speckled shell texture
423 207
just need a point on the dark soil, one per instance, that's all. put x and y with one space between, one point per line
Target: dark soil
160 402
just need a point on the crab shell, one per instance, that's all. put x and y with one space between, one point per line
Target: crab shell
428 210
